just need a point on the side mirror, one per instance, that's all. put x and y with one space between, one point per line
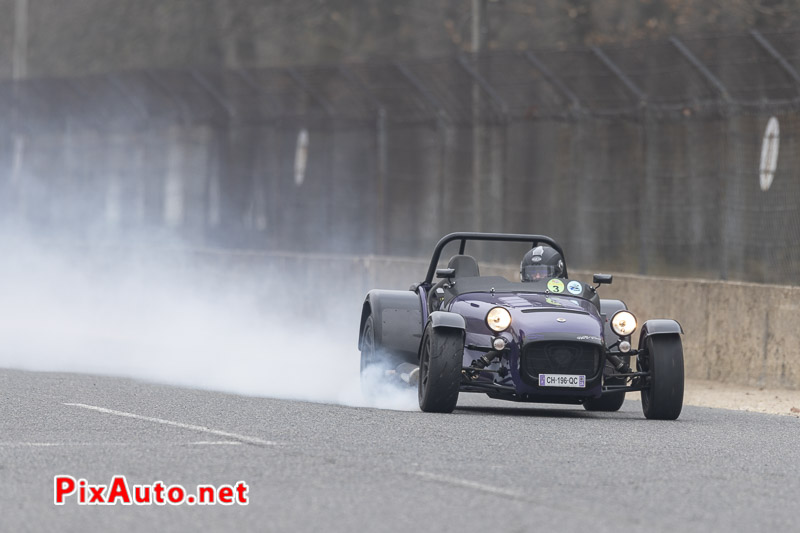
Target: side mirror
603 279
446 273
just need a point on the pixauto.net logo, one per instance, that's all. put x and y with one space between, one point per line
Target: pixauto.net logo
119 492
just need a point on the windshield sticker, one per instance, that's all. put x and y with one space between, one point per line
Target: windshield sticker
555 286
552 302
575 287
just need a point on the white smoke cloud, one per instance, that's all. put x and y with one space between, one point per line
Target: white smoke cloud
173 321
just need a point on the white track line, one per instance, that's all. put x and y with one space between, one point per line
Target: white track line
51 444
235 436
471 485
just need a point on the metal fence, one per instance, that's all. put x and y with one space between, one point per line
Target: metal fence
640 159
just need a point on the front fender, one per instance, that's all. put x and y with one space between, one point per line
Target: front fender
658 326
445 319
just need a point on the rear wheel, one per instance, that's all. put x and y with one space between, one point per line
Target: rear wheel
441 357
374 362
663 399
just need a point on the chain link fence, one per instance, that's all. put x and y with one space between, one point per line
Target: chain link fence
643 159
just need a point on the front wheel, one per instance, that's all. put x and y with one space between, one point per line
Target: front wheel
441 357
663 399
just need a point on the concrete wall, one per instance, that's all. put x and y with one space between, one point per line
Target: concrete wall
740 333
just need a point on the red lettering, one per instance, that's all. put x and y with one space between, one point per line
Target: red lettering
119 492
63 486
119 489
176 494
97 493
225 495
205 494
158 490
241 492
141 494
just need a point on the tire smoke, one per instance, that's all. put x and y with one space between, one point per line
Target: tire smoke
168 317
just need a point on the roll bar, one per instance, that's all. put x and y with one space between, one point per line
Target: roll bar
505 237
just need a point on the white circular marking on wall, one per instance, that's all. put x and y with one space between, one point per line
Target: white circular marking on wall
301 157
769 154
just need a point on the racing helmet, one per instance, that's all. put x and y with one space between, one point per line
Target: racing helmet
541 262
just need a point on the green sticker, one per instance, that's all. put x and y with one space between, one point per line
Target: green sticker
552 302
555 286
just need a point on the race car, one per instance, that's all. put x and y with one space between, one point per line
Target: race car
546 339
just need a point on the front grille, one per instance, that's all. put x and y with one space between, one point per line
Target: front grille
559 357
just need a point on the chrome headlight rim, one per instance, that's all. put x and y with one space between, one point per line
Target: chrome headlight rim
498 319
624 323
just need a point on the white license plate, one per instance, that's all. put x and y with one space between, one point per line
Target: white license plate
562 380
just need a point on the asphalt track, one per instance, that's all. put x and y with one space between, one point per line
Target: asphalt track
490 466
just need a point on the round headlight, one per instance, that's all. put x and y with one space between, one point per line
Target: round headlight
498 319
623 323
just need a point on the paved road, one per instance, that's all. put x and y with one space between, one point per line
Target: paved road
490 466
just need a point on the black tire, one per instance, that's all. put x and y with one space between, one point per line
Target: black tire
663 399
607 402
441 357
372 355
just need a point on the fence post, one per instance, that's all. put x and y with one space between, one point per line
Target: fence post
381 157
382 160
766 45
700 66
20 45
723 92
626 81
642 182
537 63
494 156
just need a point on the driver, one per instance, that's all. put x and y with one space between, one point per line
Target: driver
542 262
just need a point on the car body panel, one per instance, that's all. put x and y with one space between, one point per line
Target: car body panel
535 317
445 319
397 321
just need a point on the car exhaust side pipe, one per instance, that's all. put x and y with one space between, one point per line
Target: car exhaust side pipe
408 373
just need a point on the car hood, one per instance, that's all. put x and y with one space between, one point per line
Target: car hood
534 316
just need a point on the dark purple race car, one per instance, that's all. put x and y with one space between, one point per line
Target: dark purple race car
552 340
